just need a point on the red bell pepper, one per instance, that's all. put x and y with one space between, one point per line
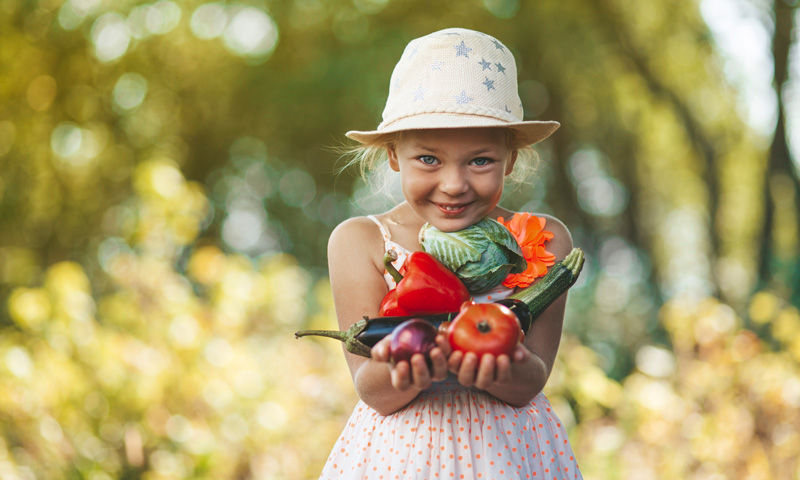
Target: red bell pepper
427 287
389 306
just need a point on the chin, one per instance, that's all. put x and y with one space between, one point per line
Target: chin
454 224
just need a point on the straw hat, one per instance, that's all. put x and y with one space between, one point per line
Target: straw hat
456 78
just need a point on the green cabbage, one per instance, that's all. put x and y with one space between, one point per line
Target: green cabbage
482 255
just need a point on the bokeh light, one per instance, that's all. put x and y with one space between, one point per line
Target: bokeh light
209 20
250 32
73 12
129 91
111 36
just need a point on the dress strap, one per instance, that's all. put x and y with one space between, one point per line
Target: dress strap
384 232
388 244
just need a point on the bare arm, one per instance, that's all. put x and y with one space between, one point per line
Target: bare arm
356 271
516 381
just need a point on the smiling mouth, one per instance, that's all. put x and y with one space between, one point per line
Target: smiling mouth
451 209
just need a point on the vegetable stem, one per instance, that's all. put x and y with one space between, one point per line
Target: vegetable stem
350 337
388 258
337 334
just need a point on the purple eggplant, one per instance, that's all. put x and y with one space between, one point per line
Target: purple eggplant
411 337
365 333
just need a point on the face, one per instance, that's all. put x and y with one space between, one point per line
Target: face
453 178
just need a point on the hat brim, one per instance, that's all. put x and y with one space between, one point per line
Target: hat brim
526 133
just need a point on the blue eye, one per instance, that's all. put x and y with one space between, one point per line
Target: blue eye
482 161
427 159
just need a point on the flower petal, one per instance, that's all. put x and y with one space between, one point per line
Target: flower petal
529 232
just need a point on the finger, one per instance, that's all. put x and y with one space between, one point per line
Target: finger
454 361
444 344
380 352
503 370
438 364
486 371
420 375
401 376
466 372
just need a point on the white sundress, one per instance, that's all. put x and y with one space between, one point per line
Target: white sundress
452 432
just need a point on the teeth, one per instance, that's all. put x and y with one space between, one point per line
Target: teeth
450 209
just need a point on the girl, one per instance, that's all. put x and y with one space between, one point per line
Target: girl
453 130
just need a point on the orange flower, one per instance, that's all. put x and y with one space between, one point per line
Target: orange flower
530 234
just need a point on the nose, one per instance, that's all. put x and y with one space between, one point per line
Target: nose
453 181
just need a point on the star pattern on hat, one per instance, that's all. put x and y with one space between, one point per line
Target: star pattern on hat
462 49
462 98
430 79
419 93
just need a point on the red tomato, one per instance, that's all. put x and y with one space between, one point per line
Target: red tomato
485 328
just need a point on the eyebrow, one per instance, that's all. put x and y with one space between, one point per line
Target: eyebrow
431 149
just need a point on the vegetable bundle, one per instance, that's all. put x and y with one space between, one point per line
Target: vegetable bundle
526 304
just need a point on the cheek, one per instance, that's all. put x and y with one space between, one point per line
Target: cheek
413 185
493 187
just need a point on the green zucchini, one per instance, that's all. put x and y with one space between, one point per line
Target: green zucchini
556 281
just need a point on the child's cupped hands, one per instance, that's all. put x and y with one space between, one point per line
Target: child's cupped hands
481 372
418 374
487 370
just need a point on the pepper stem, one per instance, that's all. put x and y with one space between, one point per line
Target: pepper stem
388 258
484 327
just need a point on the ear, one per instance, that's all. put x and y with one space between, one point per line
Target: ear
511 162
393 163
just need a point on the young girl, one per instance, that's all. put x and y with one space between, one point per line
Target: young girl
453 130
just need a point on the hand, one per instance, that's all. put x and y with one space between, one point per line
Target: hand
485 371
414 374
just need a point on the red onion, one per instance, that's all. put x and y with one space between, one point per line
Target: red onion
410 337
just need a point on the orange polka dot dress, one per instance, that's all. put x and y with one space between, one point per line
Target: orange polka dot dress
453 432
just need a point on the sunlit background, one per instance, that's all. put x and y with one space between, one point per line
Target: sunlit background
168 182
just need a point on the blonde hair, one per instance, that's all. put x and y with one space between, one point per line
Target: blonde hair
372 161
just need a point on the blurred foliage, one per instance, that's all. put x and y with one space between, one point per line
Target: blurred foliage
186 372
722 402
167 187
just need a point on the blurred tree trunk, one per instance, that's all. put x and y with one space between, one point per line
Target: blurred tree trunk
779 267
700 140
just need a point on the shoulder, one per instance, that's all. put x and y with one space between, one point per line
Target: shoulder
356 244
556 226
354 233
561 243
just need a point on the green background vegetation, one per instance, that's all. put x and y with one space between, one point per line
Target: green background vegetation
167 187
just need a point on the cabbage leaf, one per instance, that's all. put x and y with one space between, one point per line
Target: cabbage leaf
481 255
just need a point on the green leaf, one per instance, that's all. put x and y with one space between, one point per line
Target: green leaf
502 237
491 258
454 249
